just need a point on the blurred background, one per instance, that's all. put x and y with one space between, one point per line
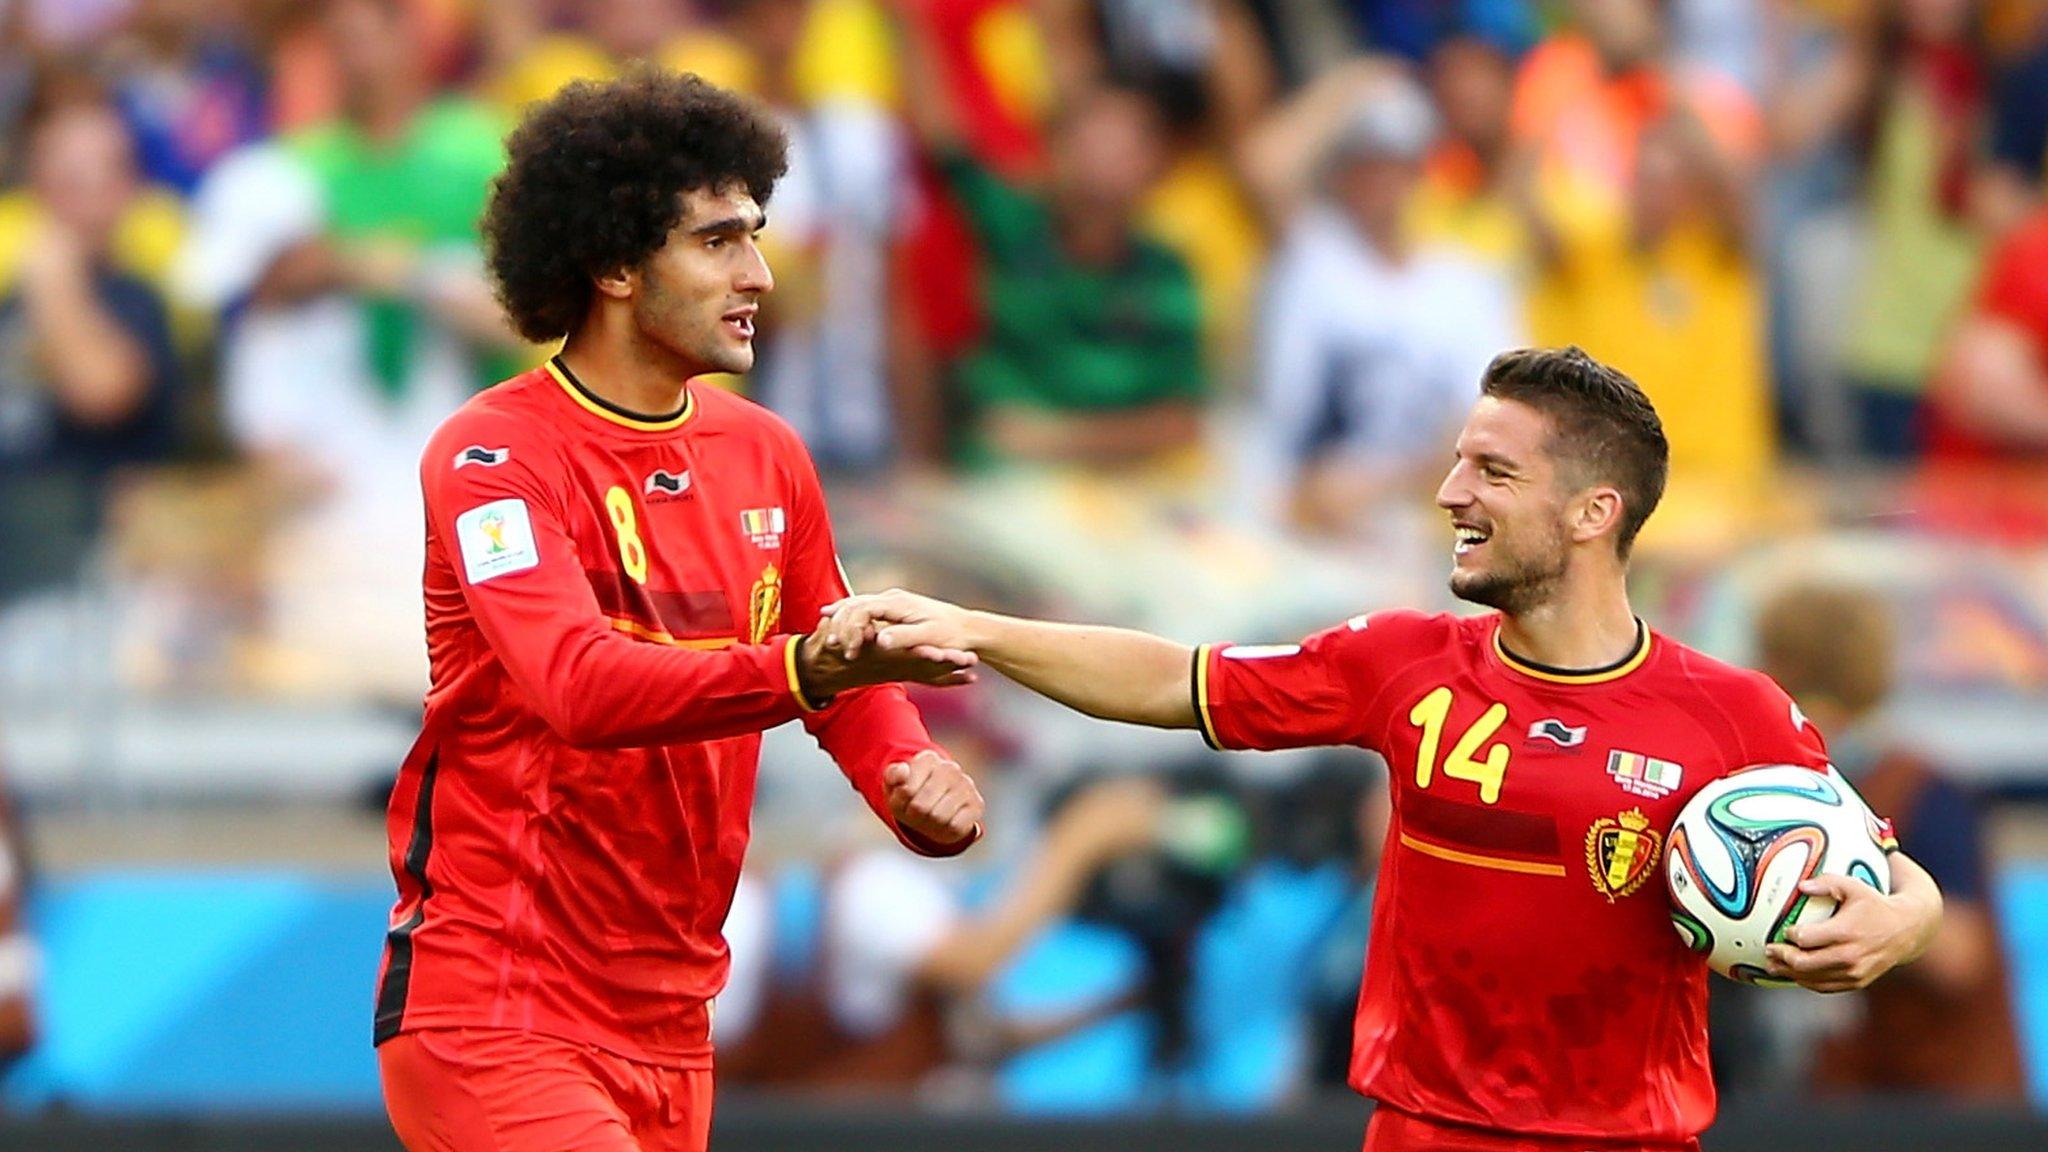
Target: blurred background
1157 312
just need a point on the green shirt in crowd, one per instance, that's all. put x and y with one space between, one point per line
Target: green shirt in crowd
1063 336
426 189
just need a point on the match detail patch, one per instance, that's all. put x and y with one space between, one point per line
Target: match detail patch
495 539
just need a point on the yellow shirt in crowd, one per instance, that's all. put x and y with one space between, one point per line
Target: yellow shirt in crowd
1684 318
145 243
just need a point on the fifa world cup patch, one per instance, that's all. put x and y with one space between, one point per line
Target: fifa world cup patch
1621 853
1644 776
764 606
496 539
764 526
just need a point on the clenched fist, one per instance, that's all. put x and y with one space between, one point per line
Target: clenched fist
933 799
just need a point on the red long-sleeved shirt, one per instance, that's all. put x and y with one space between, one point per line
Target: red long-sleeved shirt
613 605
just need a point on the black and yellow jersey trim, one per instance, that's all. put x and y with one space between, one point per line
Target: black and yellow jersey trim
604 409
796 684
1198 683
1614 671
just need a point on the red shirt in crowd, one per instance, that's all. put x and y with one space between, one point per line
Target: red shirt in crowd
1523 974
610 603
2014 290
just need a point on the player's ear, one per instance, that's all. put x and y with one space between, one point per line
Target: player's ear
1596 512
618 284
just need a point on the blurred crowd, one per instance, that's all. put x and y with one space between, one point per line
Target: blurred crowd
1161 311
1245 257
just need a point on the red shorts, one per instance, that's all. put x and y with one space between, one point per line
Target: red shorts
1392 1130
498 1090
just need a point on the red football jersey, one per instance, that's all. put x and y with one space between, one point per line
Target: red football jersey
1523 974
610 602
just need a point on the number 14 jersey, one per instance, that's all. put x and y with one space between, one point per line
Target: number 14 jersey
1523 974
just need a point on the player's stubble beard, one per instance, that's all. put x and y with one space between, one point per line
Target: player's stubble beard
1519 579
689 329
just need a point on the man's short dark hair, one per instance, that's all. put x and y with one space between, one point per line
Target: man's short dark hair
1603 429
594 182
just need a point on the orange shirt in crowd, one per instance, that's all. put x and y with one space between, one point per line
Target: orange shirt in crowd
1586 123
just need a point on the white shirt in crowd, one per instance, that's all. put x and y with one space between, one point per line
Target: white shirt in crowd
1371 358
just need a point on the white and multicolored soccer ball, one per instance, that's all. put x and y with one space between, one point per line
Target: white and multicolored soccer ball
1740 849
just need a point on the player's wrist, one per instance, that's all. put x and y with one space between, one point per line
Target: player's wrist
819 672
983 633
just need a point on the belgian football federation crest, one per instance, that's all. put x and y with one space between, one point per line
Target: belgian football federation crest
1621 853
764 605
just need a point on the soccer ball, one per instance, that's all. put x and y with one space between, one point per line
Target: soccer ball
1740 849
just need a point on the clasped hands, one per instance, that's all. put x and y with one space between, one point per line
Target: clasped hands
855 645
883 638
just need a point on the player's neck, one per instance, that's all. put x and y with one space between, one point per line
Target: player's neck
620 374
1574 632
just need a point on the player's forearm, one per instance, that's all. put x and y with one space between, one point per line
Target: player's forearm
1917 891
609 691
1108 673
866 730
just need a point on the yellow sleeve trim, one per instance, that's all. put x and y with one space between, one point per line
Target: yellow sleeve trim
796 686
1201 684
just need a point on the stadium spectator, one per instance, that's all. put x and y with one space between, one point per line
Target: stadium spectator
1588 93
1990 397
1820 71
309 79
828 345
897 992
1987 409
2018 145
1091 353
527 60
1205 66
149 222
346 258
1470 189
191 85
1373 343
1942 1026
1337 962
1923 123
88 374
1668 291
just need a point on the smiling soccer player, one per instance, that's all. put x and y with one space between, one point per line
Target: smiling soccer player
1524 990
614 555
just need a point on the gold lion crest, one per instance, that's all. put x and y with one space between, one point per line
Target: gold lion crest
1621 853
764 605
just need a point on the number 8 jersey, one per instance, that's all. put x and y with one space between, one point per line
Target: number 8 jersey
1523 975
612 610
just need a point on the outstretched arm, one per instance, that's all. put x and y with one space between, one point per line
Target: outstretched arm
1108 673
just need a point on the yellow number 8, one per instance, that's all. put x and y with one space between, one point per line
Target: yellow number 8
632 553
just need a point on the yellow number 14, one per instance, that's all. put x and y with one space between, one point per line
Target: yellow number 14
1429 715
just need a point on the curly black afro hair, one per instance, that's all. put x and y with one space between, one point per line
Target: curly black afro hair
594 182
